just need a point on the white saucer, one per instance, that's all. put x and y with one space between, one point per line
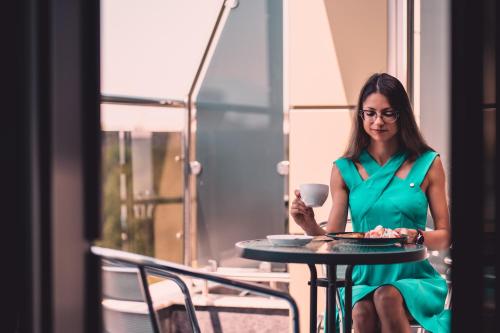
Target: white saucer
289 240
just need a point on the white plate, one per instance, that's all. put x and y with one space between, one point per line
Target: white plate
289 240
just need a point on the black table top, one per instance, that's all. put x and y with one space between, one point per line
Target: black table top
334 252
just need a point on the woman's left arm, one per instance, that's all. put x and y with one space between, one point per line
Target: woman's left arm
434 185
440 237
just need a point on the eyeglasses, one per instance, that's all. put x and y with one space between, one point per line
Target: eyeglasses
388 116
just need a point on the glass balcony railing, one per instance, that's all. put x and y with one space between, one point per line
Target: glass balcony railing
143 177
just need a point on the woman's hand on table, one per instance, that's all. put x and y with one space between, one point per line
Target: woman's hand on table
410 233
302 215
381 232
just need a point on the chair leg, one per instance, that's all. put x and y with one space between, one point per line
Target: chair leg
339 309
321 318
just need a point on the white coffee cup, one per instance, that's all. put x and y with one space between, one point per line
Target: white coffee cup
313 195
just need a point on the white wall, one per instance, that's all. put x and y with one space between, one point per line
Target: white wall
435 76
331 48
147 43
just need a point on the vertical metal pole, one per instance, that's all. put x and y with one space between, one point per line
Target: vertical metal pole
149 300
331 276
313 292
348 299
128 211
123 191
189 139
410 49
286 111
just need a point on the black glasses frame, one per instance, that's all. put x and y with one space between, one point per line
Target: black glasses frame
362 115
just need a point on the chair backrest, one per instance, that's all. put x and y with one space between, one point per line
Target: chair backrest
126 310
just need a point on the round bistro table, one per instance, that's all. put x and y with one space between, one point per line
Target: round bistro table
323 250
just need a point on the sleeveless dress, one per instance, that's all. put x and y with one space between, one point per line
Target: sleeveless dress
393 202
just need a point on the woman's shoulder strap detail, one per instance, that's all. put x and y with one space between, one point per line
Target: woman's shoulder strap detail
347 170
422 166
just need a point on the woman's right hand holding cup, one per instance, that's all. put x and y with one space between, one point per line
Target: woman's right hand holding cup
302 215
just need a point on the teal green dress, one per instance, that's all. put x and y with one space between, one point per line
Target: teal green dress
392 202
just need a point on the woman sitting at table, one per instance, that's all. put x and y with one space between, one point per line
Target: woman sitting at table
389 176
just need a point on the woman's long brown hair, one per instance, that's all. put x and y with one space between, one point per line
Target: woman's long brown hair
409 136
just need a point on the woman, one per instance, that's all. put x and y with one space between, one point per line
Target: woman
389 176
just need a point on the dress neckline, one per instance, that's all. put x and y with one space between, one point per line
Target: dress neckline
371 165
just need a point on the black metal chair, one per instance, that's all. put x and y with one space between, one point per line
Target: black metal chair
128 304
